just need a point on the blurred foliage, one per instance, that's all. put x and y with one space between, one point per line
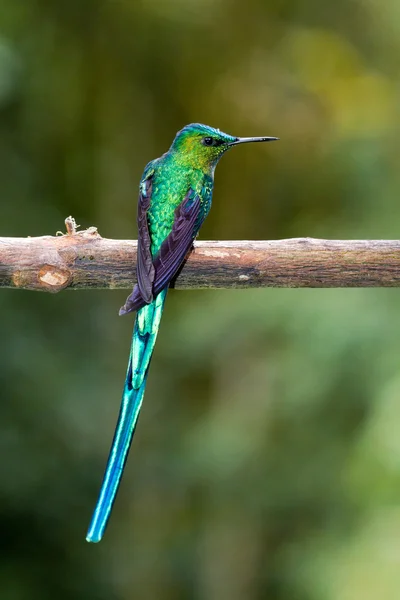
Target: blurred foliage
267 460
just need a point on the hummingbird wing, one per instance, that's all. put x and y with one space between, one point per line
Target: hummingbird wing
167 262
178 243
145 268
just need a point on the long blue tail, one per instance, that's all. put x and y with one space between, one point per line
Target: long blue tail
144 337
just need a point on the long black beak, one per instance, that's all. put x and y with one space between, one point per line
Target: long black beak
252 139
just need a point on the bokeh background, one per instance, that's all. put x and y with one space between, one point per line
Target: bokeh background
267 460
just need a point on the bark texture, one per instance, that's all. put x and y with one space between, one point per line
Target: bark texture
86 260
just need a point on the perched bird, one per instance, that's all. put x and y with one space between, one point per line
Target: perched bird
174 199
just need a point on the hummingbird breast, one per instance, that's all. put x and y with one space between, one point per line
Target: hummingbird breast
171 183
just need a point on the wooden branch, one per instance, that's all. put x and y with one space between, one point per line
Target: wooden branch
86 260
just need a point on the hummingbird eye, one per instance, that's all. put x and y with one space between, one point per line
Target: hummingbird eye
208 141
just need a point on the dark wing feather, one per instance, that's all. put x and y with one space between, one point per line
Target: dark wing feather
175 247
145 267
172 251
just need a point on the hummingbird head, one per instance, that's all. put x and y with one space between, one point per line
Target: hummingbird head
202 146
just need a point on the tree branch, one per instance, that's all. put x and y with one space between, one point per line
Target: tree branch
86 260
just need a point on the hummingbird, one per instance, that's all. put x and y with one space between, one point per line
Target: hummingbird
175 194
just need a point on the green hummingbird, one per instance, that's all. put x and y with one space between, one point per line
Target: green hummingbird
174 199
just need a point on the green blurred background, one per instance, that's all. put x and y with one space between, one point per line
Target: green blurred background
267 460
